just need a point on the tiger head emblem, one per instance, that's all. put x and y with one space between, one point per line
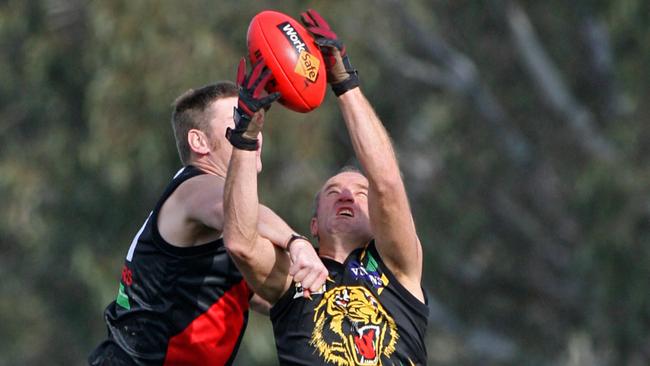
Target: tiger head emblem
352 328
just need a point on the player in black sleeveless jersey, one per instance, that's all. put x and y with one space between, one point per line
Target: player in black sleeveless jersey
181 299
372 310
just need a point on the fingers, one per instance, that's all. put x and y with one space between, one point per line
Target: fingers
295 268
241 104
316 25
253 86
260 83
322 277
307 20
311 279
269 99
319 280
312 275
253 79
307 268
241 72
329 43
309 282
300 273
322 32
318 19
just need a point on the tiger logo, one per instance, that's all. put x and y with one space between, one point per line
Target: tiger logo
352 328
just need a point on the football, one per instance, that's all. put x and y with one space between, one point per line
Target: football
293 57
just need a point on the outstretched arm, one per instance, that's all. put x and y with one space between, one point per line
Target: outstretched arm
390 215
265 266
249 226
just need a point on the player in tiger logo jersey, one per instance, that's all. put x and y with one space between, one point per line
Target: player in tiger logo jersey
372 310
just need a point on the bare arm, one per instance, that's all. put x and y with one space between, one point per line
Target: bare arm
266 267
194 215
260 305
390 215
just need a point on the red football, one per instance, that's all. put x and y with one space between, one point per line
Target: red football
294 59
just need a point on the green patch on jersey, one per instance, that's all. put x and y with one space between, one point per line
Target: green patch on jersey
122 298
371 265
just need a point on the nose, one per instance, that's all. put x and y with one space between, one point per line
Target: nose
346 196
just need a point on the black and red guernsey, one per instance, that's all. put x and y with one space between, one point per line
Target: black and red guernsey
175 305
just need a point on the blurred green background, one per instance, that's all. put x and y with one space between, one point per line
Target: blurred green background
522 129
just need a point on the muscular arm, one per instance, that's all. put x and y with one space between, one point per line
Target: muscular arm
260 305
194 215
247 225
265 267
390 215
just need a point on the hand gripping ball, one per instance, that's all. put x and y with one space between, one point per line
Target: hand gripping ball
293 57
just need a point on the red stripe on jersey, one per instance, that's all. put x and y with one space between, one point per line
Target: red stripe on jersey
211 337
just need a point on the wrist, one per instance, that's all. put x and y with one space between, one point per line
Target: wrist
240 137
342 87
239 141
293 239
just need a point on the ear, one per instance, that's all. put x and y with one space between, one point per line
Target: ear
313 227
198 141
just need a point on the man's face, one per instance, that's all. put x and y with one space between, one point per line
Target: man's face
343 207
222 118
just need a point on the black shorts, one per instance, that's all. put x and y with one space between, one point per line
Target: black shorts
109 354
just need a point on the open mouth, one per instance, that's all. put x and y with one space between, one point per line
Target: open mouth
365 345
345 211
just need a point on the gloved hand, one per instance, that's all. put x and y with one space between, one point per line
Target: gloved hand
340 74
249 114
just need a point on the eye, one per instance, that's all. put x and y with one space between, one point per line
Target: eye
362 193
331 192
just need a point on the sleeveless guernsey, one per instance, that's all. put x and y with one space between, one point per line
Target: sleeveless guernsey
362 317
175 306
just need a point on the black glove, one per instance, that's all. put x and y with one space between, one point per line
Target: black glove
340 74
249 115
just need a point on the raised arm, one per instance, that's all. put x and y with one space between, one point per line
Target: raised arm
390 215
249 226
264 266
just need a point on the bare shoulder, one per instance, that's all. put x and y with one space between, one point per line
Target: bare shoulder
193 213
201 198
204 186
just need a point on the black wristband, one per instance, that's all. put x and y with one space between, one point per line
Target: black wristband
349 83
236 135
238 141
293 238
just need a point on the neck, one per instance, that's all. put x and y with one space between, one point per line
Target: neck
338 248
210 167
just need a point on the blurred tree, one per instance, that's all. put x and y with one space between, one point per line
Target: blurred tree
522 129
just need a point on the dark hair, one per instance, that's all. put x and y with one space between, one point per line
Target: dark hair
190 112
344 169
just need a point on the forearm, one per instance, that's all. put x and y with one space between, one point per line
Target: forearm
241 203
370 140
273 227
260 305
390 214
264 266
